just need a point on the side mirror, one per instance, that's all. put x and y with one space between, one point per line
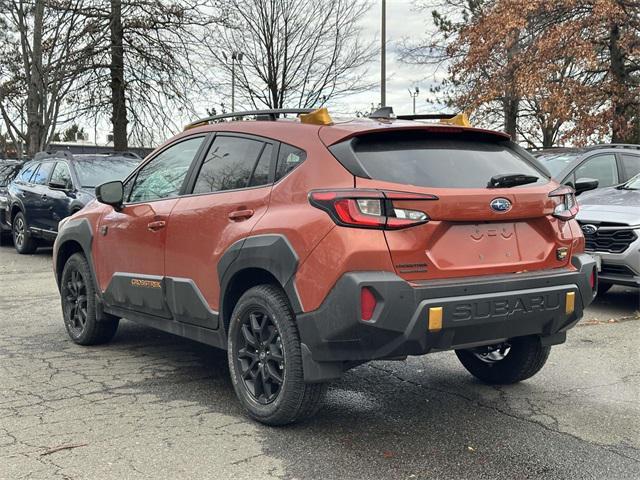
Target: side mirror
111 193
59 186
586 184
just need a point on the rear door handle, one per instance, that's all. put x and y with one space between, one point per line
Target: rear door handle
157 225
241 214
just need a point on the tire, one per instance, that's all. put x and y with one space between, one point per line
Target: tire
22 239
264 345
604 287
525 357
78 297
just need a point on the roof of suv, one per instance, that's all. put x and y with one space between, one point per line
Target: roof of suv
289 130
63 154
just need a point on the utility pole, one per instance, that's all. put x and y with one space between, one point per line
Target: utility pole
413 95
383 57
234 56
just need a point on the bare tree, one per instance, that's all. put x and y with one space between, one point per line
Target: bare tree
147 64
296 53
44 51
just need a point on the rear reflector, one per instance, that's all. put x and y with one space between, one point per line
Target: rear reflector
592 279
570 304
435 319
367 303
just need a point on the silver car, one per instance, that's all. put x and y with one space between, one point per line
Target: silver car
610 221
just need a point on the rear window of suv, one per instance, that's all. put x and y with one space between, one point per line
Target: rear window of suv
418 159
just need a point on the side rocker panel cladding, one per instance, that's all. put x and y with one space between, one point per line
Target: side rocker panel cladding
272 253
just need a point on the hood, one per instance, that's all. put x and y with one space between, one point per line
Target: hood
90 191
611 196
610 205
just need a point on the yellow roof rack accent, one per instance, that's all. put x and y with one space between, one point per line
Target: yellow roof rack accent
460 119
317 117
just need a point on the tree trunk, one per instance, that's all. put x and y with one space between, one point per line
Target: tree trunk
620 122
511 111
118 102
36 89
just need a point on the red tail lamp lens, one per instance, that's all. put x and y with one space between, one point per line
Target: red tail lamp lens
367 303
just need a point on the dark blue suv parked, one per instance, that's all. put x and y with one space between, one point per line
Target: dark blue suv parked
55 185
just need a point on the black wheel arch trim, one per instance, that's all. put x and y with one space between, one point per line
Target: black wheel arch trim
270 252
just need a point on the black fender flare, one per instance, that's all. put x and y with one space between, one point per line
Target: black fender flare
79 231
272 253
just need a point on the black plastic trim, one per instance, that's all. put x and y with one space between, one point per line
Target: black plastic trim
272 253
534 305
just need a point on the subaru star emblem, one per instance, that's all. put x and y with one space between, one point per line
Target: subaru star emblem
500 205
589 229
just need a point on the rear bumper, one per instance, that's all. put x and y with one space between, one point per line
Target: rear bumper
475 311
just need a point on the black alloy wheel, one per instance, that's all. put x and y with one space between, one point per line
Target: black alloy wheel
78 298
260 356
74 298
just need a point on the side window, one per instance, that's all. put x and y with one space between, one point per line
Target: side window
42 173
61 175
228 164
25 176
601 167
288 159
631 164
164 175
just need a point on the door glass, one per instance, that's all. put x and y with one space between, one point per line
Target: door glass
602 167
163 176
228 164
61 175
631 164
42 174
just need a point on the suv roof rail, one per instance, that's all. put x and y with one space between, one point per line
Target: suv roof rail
260 114
613 145
125 154
52 154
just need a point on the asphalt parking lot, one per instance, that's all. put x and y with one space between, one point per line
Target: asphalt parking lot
151 405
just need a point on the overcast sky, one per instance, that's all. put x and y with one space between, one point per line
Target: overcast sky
402 22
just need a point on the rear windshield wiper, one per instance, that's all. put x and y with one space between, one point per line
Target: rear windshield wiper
511 180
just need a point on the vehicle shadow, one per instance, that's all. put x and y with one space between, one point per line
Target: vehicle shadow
419 420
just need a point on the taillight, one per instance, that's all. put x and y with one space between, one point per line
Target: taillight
367 303
566 204
370 208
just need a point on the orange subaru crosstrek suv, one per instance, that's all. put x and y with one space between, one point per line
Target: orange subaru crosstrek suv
305 247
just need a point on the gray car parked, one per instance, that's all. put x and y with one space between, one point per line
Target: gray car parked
609 165
610 221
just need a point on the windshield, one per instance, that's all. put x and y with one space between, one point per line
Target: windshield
96 171
633 184
8 171
557 162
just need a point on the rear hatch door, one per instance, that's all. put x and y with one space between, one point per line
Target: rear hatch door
473 229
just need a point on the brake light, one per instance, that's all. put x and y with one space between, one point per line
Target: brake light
566 204
367 303
369 208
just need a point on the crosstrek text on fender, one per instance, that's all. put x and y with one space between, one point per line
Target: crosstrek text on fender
305 247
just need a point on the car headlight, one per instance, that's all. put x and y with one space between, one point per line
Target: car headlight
4 201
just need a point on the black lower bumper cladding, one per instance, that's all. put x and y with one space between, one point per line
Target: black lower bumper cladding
471 312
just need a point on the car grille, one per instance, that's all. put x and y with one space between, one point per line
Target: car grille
610 241
617 270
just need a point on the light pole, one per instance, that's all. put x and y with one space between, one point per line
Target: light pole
383 57
234 56
413 95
